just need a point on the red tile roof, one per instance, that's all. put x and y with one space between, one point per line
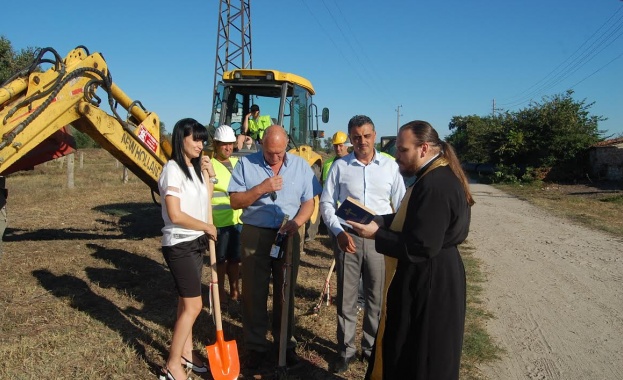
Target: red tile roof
618 140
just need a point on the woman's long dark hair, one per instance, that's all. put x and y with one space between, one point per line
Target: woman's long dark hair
182 129
424 132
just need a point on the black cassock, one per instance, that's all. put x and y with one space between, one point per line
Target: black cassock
426 299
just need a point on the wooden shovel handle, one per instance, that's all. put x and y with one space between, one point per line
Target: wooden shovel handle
214 274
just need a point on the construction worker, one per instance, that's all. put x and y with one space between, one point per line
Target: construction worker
340 147
254 126
226 219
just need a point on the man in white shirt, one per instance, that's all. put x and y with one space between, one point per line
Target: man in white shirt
374 180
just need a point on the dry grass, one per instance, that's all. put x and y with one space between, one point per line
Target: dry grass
596 205
84 291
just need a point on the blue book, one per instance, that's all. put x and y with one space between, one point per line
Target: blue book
351 209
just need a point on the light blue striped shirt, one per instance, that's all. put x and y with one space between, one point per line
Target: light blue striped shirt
299 185
378 186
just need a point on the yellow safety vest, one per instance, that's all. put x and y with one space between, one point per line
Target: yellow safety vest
257 127
223 215
325 168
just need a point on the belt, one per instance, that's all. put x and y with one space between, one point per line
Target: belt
264 228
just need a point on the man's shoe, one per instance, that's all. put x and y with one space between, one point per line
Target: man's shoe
254 359
292 359
365 357
341 365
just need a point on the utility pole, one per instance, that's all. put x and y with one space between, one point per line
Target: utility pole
398 118
493 109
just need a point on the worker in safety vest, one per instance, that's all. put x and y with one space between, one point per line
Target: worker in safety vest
340 147
254 125
226 219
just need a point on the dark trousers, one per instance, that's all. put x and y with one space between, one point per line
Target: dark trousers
257 268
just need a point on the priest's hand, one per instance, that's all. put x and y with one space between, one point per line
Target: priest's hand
367 231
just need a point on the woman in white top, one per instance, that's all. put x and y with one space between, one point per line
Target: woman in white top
185 235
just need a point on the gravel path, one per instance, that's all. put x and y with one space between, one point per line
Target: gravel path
555 290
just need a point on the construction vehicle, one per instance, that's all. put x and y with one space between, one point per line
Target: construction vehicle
36 106
287 98
388 145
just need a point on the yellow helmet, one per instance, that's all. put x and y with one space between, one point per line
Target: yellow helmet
339 138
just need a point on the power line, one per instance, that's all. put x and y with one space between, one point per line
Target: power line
599 69
340 51
369 77
574 62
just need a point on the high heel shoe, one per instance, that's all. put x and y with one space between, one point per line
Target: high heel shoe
194 367
167 375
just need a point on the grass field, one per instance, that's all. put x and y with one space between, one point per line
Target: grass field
85 293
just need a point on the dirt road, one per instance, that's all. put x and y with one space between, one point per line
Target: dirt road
555 290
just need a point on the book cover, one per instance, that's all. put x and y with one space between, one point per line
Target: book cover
351 209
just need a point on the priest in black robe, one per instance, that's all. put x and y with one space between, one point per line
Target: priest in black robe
420 335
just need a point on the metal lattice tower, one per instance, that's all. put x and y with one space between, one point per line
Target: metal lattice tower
233 41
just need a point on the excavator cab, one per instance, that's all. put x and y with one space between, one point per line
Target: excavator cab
285 97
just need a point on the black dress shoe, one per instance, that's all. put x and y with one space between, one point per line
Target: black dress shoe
292 359
254 359
365 357
341 365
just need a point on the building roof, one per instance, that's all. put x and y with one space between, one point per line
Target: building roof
617 141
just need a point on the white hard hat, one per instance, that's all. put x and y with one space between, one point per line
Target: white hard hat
225 134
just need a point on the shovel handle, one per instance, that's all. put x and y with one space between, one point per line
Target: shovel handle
285 306
214 274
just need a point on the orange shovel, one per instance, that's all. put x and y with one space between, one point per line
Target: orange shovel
222 355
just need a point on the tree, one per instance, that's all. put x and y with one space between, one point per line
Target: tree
11 61
552 136
82 139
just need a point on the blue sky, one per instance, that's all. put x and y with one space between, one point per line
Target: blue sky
435 59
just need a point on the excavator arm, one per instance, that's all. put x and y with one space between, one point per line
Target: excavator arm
36 107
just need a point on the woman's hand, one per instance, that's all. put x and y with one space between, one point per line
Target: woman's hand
367 231
206 165
210 230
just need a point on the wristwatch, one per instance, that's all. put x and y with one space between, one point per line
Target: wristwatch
214 180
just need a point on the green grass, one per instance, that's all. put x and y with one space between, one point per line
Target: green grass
478 346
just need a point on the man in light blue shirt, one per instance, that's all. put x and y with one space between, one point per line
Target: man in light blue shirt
268 185
374 180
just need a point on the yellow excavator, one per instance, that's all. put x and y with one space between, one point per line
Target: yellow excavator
37 106
287 99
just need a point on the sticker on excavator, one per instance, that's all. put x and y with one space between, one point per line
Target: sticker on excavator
147 138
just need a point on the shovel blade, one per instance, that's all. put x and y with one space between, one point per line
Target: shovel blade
223 358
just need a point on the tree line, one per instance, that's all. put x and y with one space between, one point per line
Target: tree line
548 140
